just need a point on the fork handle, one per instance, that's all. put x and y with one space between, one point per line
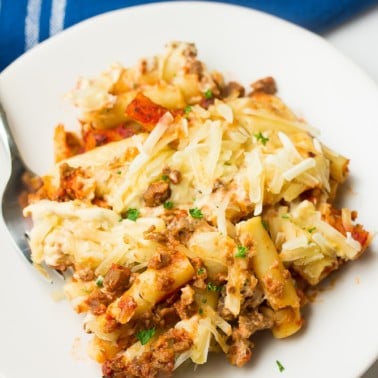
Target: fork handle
7 136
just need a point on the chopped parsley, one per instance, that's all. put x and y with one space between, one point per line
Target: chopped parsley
132 214
208 94
204 300
165 177
285 216
196 213
100 281
311 229
119 172
265 224
168 205
200 311
213 287
242 251
144 336
261 138
200 271
187 109
280 366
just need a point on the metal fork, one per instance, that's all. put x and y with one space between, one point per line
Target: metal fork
17 225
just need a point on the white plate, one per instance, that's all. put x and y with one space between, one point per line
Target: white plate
40 337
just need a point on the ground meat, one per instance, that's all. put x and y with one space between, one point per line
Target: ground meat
220 278
143 66
160 260
66 144
224 312
266 85
174 175
252 322
179 226
94 136
165 317
75 183
162 316
232 90
251 295
85 274
110 324
218 184
117 279
251 300
361 235
156 236
196 67
240 352
313 195
249 286
164 283
157 193
273 286
201 273
159 361
113 368
186 307
127 305
62 265
101 202
334 217
98 301
206 102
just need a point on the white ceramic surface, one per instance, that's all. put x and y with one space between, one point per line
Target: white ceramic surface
358 39
40 337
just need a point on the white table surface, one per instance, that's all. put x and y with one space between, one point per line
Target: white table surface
358 40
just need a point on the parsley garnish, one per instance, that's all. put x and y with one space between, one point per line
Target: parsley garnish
285 216
265 224
213 287
260 137
204 300
200 271
280 366
196 213
242 251
165 177
200 311
208 94
144 336
187 109
100 281
311 229
168 205
119 172
132 214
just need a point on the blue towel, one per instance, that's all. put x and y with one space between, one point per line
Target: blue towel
24 23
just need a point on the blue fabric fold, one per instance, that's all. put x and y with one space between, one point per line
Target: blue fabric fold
25 23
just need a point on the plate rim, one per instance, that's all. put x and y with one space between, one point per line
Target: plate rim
8 71
216 3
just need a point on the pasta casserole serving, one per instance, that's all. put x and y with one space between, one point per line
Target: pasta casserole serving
191 212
